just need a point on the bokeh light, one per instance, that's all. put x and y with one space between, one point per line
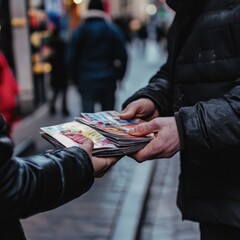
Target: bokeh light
151 9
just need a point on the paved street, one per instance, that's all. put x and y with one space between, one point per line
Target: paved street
163 219
111 209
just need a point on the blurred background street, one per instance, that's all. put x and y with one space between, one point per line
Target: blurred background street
132 201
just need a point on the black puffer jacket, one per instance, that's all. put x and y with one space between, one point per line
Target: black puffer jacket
200 84
93 50
38 183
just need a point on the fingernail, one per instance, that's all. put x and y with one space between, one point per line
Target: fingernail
131 130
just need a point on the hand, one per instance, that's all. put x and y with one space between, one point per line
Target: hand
165 142
100 165
142 108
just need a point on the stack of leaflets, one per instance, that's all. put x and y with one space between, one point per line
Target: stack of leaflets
108 132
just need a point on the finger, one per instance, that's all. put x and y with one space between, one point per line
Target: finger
112 161
127 113
102 165
88 145
147 153
143 129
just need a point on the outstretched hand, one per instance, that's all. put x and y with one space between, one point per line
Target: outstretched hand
100 165
165 142
143 108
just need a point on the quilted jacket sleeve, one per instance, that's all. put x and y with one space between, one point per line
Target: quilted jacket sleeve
42 182
212 125
158 90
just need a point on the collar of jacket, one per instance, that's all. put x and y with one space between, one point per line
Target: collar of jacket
184 5
190 6
96 13
176 5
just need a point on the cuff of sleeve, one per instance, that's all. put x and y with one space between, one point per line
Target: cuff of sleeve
180 129
85 168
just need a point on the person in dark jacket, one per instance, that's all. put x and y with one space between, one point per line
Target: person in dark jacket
39 183
193 106
58 75
97 58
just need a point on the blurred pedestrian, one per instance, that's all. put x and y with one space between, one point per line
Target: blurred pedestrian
35 184
161 34
97 58
193 106
55 50
143 36
8 93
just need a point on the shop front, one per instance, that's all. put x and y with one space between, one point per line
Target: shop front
32 22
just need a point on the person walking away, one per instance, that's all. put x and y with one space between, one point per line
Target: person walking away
97 58
56 47
143 36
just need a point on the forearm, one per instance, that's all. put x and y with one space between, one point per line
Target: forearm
43 182
158 90
212 125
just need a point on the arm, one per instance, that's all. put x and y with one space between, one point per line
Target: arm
151 101
213 124
158 90
43 182
46 181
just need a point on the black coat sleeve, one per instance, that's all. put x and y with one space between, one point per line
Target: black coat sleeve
158 90
212 125
42 182
160 87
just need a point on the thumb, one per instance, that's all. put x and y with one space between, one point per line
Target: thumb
142 129
88 146
128 113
